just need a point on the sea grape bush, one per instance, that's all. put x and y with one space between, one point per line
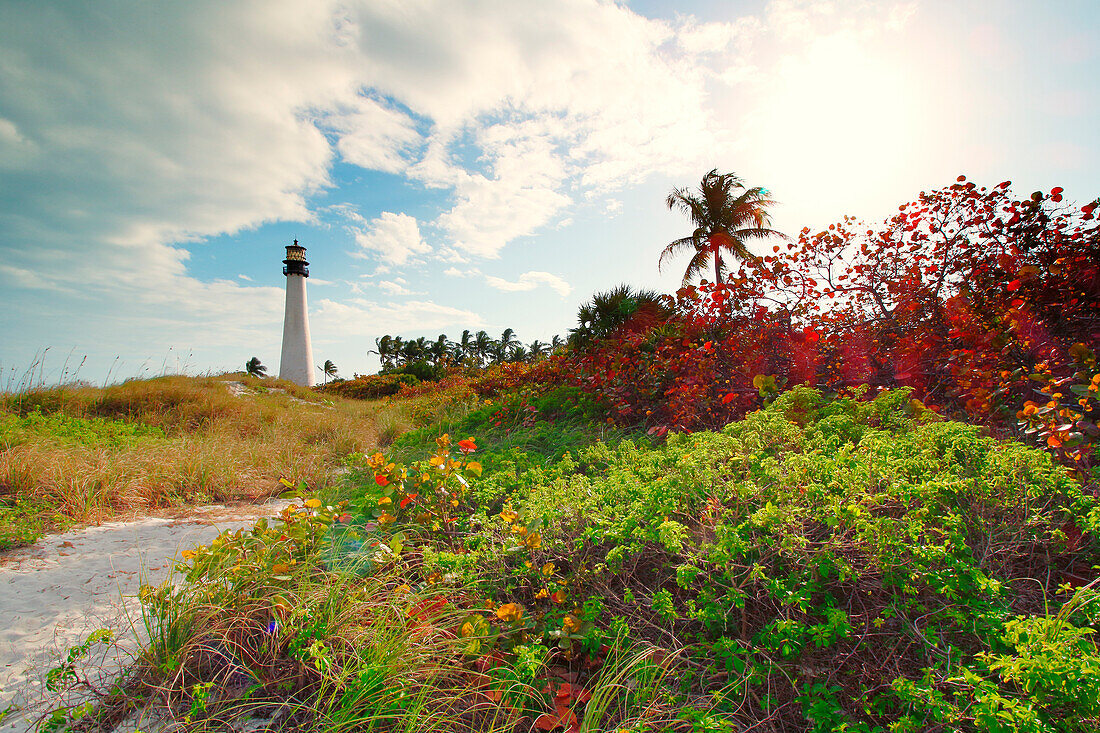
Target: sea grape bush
432 493
974 299
511 376
826 562
371 386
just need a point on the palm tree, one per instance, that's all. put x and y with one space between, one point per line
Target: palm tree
610 310
726 216
254 368
438 349
464 347
397 351
556 343
518 354
482 345
384 348
537 350
414 351
329 370
508 341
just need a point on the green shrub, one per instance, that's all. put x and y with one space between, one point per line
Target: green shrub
423 371
822 565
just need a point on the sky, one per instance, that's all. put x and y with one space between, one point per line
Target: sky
471 165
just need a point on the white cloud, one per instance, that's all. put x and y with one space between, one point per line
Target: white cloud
530 281
371 135
219 118
393 288
245 277
455 272
395 238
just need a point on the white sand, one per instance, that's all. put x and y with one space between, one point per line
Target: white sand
54 593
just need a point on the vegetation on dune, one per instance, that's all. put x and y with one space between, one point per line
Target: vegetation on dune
83 454
786 500
824 564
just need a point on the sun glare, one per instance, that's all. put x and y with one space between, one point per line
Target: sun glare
838 126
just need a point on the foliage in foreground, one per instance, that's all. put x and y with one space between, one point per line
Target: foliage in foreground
821 565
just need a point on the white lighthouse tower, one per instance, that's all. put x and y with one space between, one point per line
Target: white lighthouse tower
297 362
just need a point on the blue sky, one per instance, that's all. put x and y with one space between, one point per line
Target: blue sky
471 165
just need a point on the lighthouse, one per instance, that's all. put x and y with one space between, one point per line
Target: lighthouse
297 362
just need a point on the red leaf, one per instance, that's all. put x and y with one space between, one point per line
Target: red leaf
1014 286
561 718
728 397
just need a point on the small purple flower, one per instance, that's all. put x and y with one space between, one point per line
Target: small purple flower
273 626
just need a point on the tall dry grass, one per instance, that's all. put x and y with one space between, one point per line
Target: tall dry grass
216 445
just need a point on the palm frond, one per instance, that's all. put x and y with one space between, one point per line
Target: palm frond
698 263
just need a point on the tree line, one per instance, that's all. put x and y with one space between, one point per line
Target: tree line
479 349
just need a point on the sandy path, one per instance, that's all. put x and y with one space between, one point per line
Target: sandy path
54 593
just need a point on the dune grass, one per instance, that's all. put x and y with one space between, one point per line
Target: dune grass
85 454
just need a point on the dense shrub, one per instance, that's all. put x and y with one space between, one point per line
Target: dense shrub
372 386
822 565
977 301
826 563
509 376
422 370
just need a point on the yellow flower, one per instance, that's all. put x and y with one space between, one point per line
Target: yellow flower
189 554
510 612
436 460
534 540
543 594
508 515
548 569
519 529
402 589
571 624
